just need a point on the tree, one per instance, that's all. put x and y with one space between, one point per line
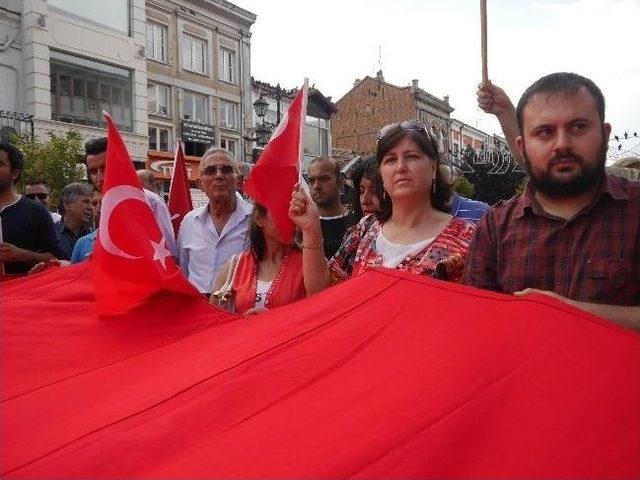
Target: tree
463 187
55 160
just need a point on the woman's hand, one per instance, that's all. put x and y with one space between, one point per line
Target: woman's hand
255 311
303 212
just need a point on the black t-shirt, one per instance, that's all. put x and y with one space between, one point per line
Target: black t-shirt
28 224
333 230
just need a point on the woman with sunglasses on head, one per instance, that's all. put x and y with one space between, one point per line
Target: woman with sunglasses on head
267 275
413 231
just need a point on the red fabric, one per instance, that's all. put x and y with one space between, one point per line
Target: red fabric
387 375
179 193
271 181
287 287
131 259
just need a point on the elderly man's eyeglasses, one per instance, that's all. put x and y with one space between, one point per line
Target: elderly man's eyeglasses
212 170
39 196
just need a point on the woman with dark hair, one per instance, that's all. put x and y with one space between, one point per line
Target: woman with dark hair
367 186
266 276
413 231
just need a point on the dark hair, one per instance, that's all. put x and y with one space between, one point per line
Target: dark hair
429 146
257 242
366 167
37 181
561 82
334 164
16 158
96 146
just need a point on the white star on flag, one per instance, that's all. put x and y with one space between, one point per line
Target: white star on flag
160 252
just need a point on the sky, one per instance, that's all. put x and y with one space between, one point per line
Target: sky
334 42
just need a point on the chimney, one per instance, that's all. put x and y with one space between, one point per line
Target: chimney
446 99
414 86
356 82
379 76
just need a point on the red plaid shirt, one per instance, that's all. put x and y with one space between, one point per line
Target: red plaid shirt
593 257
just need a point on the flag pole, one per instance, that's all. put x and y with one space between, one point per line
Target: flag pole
483 41
305 96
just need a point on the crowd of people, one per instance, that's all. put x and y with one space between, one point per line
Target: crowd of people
573 234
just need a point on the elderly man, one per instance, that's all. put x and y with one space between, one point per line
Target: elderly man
148 180
574 233
76 209
211 234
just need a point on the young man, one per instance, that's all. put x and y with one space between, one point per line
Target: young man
211 234
39 191
28 233
325 183
96 157
77 212
574 233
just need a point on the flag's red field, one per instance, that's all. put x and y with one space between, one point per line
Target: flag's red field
385 376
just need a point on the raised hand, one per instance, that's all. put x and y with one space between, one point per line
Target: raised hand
493 99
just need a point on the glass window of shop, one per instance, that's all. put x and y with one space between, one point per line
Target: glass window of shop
114 14
81 89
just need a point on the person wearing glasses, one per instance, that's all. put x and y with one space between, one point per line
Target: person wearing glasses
413 231
39 191
28 234
211 234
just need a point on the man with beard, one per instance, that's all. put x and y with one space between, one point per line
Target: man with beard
574 233
28 234
324 183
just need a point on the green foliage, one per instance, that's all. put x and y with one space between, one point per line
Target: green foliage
463 187
523 185
55 160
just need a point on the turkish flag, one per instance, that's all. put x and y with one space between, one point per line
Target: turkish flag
130 256
179 193
388 375
276 172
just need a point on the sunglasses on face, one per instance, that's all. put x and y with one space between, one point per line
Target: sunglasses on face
214 169
33 196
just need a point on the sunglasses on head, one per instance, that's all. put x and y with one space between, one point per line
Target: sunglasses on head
33 196
409 125
214 169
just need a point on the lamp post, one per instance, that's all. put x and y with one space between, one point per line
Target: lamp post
262 131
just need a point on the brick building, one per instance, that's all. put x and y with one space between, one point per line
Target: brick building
373 103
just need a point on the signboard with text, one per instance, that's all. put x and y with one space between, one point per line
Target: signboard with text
197 132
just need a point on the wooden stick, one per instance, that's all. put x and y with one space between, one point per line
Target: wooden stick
483 31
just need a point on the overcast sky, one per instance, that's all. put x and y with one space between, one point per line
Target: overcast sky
333 42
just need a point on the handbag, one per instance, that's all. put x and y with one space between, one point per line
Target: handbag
225 297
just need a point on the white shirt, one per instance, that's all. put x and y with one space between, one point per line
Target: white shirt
261 292
56 217
202 251
161 212
394 253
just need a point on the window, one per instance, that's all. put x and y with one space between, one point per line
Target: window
228 113
157 42
229 145
194 107
316 142
193 54
81 89
112 14
158 99
227 65
159 139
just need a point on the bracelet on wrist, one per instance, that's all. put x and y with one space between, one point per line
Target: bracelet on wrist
313 247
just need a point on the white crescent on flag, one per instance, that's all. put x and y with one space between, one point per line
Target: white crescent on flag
114 197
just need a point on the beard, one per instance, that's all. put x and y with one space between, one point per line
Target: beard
5 184
588 177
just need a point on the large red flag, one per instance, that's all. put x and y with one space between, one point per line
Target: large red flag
179 194
131 261
388 375
277 171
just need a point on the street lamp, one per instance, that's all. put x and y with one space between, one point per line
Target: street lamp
261 106
262 131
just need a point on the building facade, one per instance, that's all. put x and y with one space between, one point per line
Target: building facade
320 110
62 66
198 81
373 103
